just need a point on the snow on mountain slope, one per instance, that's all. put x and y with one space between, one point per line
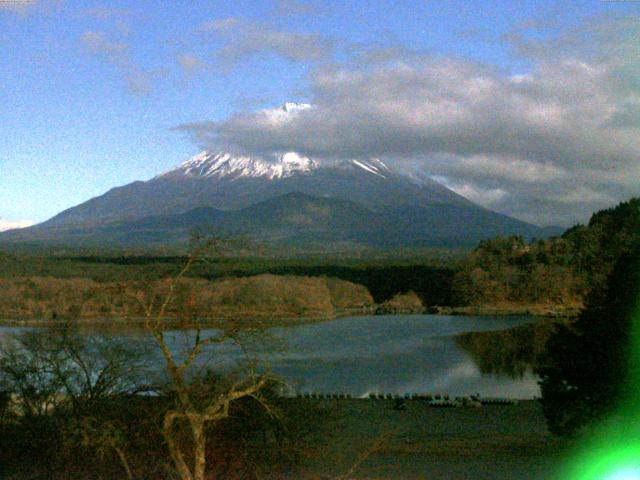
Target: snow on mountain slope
223 164
374 166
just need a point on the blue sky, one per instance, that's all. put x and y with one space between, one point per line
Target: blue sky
91 93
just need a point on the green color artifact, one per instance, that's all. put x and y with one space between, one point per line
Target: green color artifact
612 451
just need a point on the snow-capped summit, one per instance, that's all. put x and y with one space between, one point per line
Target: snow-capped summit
222 164
295 107
288 112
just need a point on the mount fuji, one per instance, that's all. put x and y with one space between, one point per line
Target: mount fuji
293 200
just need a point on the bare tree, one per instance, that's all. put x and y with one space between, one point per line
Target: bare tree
193 410
57 371
57 366
105 437
26 373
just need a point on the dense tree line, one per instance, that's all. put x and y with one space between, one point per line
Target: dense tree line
591 365
431 281
261 296
557 271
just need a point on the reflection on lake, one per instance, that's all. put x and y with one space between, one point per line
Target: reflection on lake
512 352
388 354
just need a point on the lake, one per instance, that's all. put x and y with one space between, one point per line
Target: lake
394 354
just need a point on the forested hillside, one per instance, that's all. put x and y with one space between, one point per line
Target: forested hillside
557 271
261 296
501 275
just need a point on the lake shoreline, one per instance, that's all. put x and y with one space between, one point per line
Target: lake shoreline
173 322
269 321
275 320
534 310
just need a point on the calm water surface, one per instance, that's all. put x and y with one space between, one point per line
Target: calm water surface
386 354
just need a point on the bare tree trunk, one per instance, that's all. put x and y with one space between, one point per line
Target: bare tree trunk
199 447
125 463
174 449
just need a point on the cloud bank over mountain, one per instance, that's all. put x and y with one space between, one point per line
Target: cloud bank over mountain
11 224
556 142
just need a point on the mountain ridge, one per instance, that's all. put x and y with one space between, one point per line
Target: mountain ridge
292 200
298 219
179 190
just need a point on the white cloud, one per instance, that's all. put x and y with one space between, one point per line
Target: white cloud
519 143
28 7
483 197
97 43
107 12
11 224
117 53
17 5
295 7
242 40
190 64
